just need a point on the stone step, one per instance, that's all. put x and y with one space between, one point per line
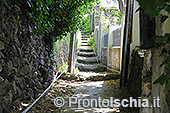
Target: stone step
85 44
91 67
98 76
85 49
86 54
85 38
87 60
85 35
84 41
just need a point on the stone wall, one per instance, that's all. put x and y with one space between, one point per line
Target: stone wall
135 74
24 63
151 71
104 56
151 66
61 55
114 58
146 81
157 89
142 73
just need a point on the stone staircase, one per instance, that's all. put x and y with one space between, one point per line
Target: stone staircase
87 59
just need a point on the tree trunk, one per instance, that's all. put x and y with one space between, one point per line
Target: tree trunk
70 52
122 7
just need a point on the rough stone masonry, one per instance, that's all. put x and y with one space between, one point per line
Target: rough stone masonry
24 63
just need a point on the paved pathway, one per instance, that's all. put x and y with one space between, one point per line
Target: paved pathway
88 90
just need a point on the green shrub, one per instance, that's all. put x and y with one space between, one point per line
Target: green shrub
92 43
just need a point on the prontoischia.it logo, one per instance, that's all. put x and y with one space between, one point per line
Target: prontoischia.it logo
111 102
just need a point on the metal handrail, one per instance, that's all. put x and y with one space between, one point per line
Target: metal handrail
27 109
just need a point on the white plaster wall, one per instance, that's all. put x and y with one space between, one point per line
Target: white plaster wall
121 49
135 28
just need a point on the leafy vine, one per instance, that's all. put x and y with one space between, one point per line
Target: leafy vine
153 9
54 18
165 77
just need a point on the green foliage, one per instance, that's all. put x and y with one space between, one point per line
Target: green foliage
104 26
85 27
165 77
57 47
78 39
167 88
153 8
77 70
162 40
62 67
68 76
55 18
162 79
163 18
92 43
67 39
64 39
111 14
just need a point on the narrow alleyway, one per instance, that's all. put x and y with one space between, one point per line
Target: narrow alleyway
88 56
96 83
94 86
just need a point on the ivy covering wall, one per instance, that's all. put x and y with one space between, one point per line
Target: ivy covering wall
54 18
